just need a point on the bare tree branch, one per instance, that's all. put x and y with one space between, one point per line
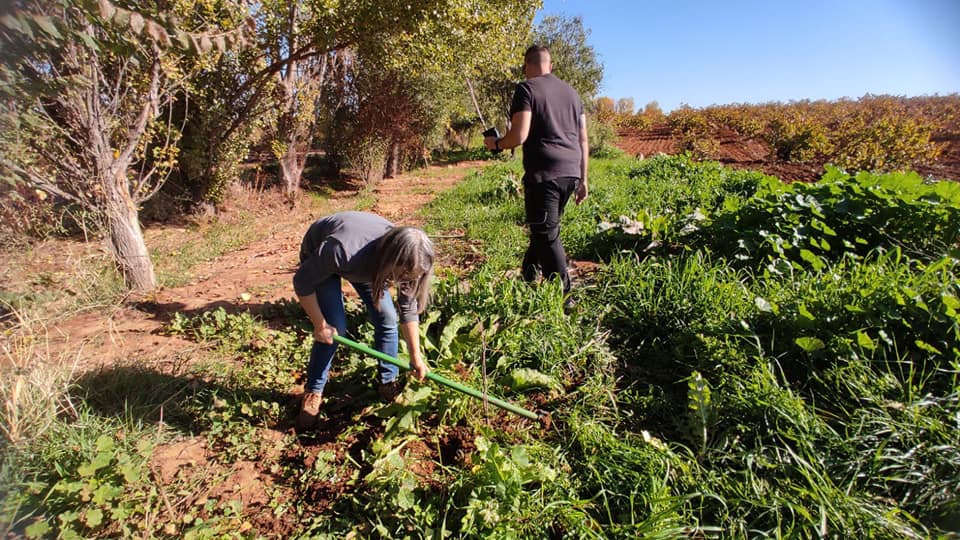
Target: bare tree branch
147 109
32 178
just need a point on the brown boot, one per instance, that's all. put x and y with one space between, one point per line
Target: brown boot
309 410
389 391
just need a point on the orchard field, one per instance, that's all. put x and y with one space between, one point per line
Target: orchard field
765 340
794 140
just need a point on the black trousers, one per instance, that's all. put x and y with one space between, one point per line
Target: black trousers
544 202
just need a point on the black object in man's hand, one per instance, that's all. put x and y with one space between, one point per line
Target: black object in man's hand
492 132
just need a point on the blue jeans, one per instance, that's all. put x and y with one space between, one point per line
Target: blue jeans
385 333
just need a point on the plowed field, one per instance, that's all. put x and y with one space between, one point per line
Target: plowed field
749 153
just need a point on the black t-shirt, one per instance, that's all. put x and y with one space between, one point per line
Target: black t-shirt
552 149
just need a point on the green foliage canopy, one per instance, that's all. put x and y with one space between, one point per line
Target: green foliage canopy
574 59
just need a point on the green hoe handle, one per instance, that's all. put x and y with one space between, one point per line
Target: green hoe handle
439 378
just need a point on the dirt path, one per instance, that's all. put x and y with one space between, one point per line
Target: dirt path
246 278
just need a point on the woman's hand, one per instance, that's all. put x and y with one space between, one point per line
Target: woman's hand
411 334
324 333
419 368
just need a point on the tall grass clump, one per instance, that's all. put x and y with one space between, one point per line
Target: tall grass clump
768 454
668 318
46 295
634 482
33 388
874 344
800 342
515 335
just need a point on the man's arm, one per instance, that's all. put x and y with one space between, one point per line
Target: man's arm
582 189
516 135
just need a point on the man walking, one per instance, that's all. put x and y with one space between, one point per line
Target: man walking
547 118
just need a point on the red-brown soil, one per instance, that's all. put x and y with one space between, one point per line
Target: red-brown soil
257 273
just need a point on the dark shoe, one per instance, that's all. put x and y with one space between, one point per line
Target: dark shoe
309 410
389 391
569 305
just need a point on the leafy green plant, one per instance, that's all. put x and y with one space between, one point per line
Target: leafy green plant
806 225
271 357
495 492
402 417
105 492
403 502
233 330
653 205
702 411
519 327
232 426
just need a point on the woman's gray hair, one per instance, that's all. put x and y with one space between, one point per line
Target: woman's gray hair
402 253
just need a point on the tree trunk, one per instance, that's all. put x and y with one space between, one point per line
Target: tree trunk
292 163
126 238
301 85
393 161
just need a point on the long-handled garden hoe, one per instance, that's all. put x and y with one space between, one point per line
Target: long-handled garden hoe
543 418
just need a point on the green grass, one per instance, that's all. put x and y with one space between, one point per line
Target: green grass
692 394
442 171
486 207
767 425
65 458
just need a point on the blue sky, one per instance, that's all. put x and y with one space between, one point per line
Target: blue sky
704 52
